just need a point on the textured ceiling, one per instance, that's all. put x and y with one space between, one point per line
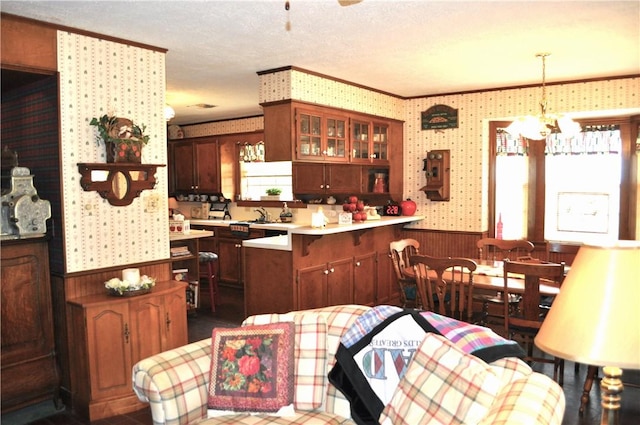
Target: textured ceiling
408 48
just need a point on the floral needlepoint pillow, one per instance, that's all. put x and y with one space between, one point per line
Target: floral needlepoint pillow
252 370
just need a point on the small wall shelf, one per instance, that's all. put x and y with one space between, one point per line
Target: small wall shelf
119 183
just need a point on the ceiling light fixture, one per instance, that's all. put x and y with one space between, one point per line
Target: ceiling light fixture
539 127
169 113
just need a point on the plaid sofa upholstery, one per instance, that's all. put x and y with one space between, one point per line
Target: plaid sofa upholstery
175 384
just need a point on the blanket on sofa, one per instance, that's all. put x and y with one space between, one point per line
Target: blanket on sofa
375 352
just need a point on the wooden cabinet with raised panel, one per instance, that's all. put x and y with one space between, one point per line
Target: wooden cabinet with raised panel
195 166
229 250
110 334
29 369
365 278
299 132
313 178
325 284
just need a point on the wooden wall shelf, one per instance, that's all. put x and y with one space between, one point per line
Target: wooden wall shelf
119 183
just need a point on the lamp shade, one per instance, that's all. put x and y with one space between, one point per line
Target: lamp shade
595 319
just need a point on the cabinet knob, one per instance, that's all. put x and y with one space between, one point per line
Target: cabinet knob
168 321
321 186
326 272
126 333
327 186
238 245
332 270
357 263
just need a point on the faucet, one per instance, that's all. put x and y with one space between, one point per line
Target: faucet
264 215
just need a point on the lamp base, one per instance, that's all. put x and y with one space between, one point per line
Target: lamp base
611 389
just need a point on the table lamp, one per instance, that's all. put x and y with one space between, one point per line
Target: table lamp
595 319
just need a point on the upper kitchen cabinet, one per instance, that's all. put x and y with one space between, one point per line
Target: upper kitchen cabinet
195 165
300 132
320 137
369 142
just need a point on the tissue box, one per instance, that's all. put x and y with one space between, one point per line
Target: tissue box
179 226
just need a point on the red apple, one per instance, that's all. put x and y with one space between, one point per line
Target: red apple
352 207
345 207
353 199
360 205
408 207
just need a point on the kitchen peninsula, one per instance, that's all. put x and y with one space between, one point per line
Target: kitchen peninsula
315 267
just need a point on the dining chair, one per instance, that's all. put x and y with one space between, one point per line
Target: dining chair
400 251
527 318
446 284
493 249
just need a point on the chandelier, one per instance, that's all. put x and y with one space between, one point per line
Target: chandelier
539 127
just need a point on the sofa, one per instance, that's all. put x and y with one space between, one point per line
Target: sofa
441 383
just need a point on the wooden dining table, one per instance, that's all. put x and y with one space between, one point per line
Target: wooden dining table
489 276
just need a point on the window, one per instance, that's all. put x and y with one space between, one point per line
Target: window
570 190
257 177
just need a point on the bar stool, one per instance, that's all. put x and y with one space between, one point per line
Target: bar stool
207 270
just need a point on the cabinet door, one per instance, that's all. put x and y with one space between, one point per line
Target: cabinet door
182 167
308 178
175 320
364 279
229 261
336 142
147 320
340 282
379 143
309 136
311 287
343 178
387 290
360 141
109 342
208 167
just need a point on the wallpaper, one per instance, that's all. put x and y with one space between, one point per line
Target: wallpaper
100 77
242 125
467 209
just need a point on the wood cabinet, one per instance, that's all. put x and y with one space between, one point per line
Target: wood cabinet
304 133
320 136
365 278
339 268
229 250
313 178
325 284
29 367
369 142
195 166
111 334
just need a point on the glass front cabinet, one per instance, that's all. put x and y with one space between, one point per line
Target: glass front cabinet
369 142
320 137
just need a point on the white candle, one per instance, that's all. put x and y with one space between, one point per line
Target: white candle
131 275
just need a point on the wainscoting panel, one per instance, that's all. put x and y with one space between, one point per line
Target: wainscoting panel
440 243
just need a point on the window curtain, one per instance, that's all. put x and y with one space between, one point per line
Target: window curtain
597 139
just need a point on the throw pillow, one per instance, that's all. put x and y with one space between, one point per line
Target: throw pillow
251 369
442 385
310 355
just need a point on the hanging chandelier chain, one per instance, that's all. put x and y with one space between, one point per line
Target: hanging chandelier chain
543 101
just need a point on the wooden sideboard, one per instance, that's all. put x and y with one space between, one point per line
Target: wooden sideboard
110 334
29 368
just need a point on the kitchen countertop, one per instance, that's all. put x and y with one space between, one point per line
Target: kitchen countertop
193 234
283 242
